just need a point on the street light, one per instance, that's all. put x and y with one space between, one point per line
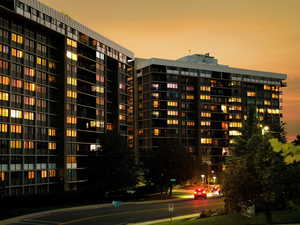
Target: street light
265 129
202 176
214 179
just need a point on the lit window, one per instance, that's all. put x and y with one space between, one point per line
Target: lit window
4 80
155 113
29 101
235 108
72 56
172 113
155 104
51 132
15 144
172 103
275 96
251 94
2 176
122 117
44 173
3 128
206 114
234 133
72 81
206 141
72 94
71 120
16 53
122 107
204 88
17 38
16 114
29 72
266 102
51 173
71 43
30 175
205 123
190 123
3 112
205 97
267 87
235 124
51 146
17 129
190 97
71 133
4 96
28 144
172 122
233 99
172 85
29 86
28 115
156 132
155 95
155 86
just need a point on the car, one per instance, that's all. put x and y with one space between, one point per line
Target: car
200 193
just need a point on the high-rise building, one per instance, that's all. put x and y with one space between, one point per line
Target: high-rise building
62 85
200 103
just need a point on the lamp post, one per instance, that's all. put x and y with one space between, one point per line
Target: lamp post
202 176
264 130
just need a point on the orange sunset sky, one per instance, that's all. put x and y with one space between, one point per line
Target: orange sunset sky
253 34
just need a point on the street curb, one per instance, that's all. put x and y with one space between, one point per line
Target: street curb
165 220
95 206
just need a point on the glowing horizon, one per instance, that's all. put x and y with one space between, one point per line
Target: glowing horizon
258 35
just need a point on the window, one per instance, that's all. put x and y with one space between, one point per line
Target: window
29 101
29 72
206 141
16 113
234 133
72 81
267 87
72 56
4 49
275 96
251 94
3 128
206 114
17 83
4 80
28 115
155 86
235 108
51 146
29 86
156 132
51 65
172 85
44 174
122 117
190 88
3 112
190 97
72 94
71 43
17 53
204 88
100 78
98 89
155 113
122 107
4 96
205 97
267 102
14 144
51 132
155 104
17 38
172 113
100 101
190 123
71 133
172 103
51 173
30 175
16 129
155 95
205 123
235 124
172 122
28 144
3 66
2 176
233 99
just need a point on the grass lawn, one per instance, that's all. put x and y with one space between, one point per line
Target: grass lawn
279 217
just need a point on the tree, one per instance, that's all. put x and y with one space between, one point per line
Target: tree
277 127
289 151
254 172
169 161
113 168
297 140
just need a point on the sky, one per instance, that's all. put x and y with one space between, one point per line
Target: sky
251 34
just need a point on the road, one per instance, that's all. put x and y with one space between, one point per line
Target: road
128 213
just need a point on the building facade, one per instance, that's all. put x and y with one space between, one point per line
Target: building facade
62 85
200 103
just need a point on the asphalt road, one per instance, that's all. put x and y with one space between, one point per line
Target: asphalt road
126 214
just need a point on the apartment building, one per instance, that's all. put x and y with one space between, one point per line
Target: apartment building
62 86
200 103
